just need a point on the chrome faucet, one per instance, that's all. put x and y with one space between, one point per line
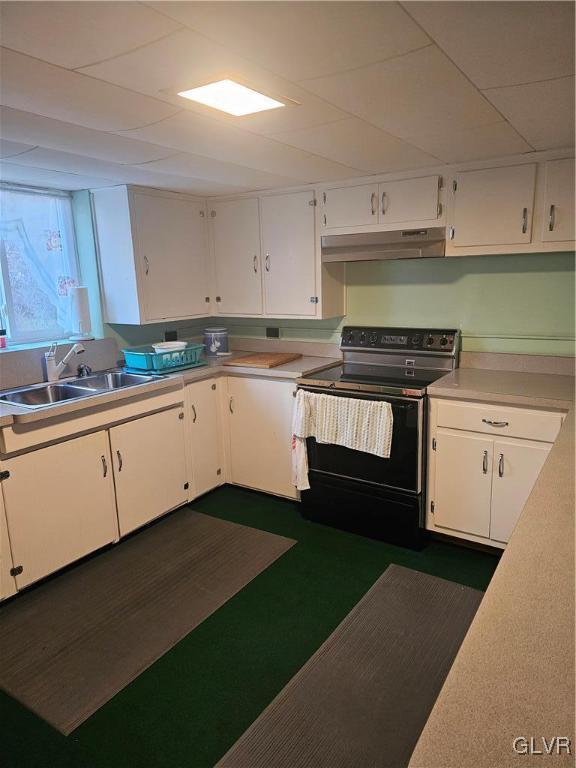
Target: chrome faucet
54 369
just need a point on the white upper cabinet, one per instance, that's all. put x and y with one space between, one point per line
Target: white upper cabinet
409 200
350 206
153 253
493 206
289 254
235 228
172 240
390 202
558 222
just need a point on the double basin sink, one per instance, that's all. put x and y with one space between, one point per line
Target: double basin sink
41 395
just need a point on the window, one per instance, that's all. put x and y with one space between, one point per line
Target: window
38 263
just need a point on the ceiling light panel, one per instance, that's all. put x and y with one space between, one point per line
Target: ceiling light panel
231 97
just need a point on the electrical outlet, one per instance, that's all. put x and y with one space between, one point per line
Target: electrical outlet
170 335
272 333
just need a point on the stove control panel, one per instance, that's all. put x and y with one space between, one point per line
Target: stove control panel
400 339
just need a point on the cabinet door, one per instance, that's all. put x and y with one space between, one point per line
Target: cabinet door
463 482
559 201
409 200
289 252
494 206
59 504
171 245
149 467
236 242
350 206
260 428
204 435
516 469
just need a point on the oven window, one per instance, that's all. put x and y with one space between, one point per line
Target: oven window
399 471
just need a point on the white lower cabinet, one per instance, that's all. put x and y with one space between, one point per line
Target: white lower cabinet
149 467
260 434
204 436
516 468
59 505
463 482
478 482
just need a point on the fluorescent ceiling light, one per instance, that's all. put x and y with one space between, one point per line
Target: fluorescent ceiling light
231 97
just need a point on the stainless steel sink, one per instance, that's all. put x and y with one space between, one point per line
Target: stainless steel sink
104 382
42 395
35 397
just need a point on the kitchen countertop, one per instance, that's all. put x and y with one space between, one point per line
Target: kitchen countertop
514 674
509 387
10 414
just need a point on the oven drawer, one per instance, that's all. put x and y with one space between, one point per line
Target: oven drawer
500 420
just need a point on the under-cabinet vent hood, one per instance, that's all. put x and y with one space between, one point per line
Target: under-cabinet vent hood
377 246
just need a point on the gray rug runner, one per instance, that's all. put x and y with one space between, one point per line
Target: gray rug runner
363 698
71 644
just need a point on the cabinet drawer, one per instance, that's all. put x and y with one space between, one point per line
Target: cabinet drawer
499 420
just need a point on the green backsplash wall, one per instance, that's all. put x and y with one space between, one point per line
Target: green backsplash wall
519 304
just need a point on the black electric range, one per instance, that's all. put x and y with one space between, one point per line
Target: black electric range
381 498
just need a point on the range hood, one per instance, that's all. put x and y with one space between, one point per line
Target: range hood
378 246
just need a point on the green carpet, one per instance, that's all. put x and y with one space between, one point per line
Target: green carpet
189 707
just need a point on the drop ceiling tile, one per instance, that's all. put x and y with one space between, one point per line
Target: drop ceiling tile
502 43
34 86
66 162
73 34
360 145
184 164
55 134
419 94
23 174
187 59
13 148
306 40
482 143
196 134
543 113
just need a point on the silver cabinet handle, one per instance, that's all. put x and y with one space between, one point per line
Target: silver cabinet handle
383 202
495 423
374 202
324 219
267 261
485 463
146 265
255 263
501 465
524 220
194 414
230 404
104 466
552 218
120 462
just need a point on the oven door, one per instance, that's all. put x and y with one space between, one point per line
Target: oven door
402 471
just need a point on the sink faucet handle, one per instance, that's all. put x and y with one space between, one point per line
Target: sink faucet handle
84 370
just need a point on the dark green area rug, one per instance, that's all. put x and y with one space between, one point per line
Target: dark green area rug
189 707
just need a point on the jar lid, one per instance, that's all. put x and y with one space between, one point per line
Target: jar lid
215 330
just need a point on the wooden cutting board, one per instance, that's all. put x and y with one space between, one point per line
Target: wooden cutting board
264 359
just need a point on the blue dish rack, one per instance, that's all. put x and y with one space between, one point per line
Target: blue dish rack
139 359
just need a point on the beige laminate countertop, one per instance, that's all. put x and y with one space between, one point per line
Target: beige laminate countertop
10 414
514 673
539 390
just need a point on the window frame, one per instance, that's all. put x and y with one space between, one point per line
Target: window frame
53 334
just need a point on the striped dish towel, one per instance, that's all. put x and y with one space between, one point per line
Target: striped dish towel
362 425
